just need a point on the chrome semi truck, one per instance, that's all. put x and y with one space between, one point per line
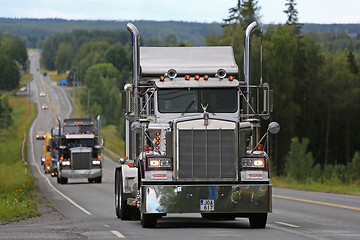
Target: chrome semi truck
192 136
79 150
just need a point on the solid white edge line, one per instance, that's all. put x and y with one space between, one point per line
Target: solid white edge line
118 234
287 224
42 174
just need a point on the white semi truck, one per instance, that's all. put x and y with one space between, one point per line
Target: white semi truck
192 136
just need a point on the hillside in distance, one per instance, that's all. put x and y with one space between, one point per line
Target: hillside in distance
34 31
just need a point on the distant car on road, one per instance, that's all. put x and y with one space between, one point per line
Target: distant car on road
44 107
42 94
40 135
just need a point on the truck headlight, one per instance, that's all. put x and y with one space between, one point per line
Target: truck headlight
154 163
253 162
65 163
96 162
159 163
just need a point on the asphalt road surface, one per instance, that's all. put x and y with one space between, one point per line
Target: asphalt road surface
87 210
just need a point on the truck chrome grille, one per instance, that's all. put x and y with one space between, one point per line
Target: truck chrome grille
207 154
81 160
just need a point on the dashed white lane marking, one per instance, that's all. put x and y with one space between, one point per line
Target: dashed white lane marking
287 224
118 234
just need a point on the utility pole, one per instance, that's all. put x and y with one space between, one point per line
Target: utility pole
88 103
74 89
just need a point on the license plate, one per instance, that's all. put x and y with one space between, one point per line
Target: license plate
207 205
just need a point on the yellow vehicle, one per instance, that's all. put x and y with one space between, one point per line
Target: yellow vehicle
47 150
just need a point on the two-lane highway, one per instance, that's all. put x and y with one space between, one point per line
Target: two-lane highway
87 210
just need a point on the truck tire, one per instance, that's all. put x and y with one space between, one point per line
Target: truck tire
258 220
98 180
63 180
148 220
123 211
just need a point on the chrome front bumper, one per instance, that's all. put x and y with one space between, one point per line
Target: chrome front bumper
83 173
228 198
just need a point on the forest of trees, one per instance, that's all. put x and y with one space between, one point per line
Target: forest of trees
316 85
13 59
315 78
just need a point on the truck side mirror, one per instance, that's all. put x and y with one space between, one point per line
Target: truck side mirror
127 98
274 127
122 160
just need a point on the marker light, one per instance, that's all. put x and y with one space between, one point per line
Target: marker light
197 77
162 78
231 78
99 157
187 77
260 147
206 77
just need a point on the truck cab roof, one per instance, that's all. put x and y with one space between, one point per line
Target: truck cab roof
155 61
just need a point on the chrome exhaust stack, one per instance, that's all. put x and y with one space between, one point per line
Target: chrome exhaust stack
247 58
135 35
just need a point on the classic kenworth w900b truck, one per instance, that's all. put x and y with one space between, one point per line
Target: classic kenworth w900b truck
79 150
192 134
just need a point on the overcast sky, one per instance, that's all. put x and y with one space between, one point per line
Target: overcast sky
309 11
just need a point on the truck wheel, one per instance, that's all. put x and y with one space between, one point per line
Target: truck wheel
258 220
148 220
123 211
63 180
98 180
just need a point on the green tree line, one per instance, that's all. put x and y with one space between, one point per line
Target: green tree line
316 83
13 59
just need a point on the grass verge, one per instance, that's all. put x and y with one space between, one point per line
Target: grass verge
16 189
329 187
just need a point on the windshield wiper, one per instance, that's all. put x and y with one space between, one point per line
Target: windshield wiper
188 107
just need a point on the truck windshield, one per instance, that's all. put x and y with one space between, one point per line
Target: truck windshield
79 129
194 100
71 143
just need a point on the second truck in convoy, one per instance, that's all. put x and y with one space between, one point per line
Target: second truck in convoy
192 136
79 148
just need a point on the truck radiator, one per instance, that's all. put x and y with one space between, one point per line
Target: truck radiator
207 154
81 160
